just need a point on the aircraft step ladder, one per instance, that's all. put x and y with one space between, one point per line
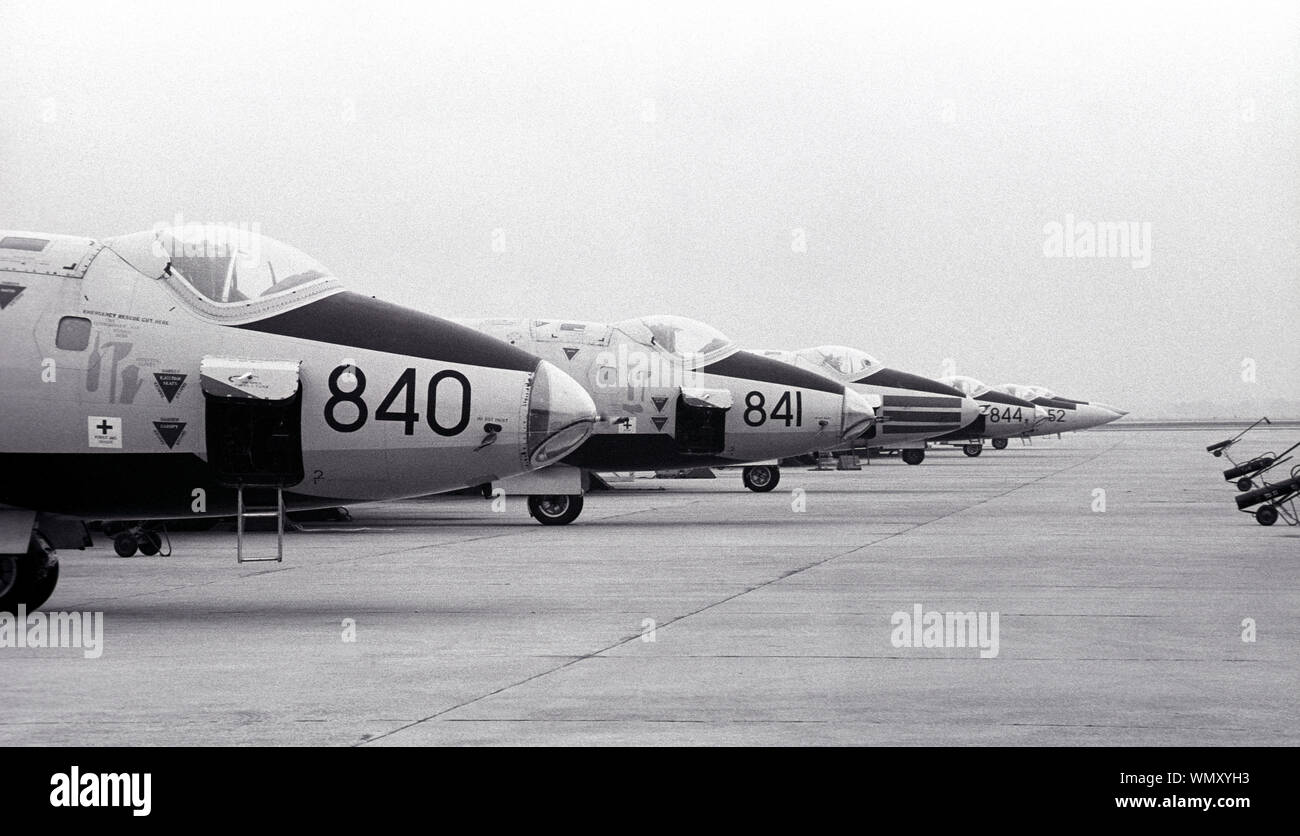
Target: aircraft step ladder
243 512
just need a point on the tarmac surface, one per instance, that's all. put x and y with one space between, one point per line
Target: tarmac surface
770 624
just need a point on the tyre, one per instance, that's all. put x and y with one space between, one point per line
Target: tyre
28 579
150 543
125 544
760 478
913 456
999 444
1266 515
972 450
558 509
1244 485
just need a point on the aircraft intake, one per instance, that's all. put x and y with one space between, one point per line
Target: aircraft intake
560 415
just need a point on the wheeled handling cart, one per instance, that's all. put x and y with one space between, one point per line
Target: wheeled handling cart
1275 499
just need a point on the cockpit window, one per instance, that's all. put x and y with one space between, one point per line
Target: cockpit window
1025 393
968 386
230 266
841 361
685 339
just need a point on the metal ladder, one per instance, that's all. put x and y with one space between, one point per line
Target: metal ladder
242 513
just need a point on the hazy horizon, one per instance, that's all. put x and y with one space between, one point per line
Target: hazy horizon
888 178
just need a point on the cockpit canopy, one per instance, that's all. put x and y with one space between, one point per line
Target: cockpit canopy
1027 393
968 386
840 361
227 265
686 339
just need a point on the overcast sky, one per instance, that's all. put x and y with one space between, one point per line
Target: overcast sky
794 174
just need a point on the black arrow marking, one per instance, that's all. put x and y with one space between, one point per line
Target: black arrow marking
10 292
169 383
170 431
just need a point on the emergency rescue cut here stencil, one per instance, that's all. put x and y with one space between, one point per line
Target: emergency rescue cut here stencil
104 432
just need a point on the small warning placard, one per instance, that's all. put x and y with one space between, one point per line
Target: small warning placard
104 432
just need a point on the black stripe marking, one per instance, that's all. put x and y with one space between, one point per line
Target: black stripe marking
1054 403
749 366
908 400
974 429
902 380
916 416
993 396
356 321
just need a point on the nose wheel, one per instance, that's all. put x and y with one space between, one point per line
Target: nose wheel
760 478
912 456
972 450
999 444
136 538
557 509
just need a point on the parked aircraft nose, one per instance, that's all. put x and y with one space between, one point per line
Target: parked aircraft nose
858 415
1118 412
560 415
1094 415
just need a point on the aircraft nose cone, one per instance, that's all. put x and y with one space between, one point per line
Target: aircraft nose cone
1094 415
1118 412
858 415
560 415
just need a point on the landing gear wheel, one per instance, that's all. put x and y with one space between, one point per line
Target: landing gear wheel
125 544
150 543
972 450
558 509
1266 515
1244 485
28 579
999 444
914 456
760 478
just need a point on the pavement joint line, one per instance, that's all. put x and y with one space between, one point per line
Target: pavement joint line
635 636
856 722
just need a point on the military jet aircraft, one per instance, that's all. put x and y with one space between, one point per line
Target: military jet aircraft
1063 414
676 393
913 408
1002 417
212 371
